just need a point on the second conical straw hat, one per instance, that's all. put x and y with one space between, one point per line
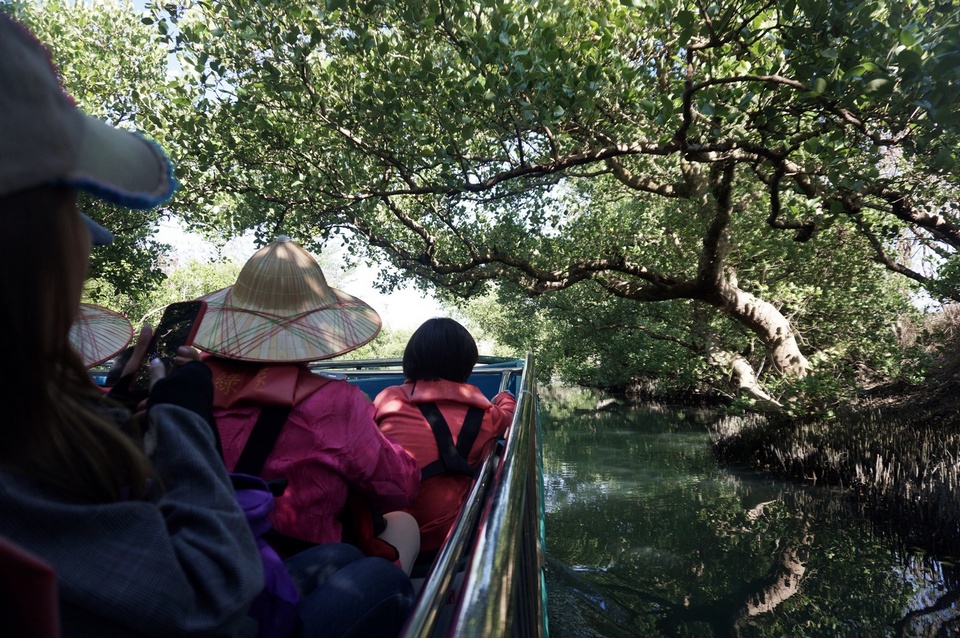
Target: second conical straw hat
99 334
282 309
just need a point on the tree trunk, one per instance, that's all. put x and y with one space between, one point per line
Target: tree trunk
719 287
745 376
769 324
781 582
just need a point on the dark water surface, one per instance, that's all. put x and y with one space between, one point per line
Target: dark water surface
647 536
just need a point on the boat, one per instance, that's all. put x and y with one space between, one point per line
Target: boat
488 578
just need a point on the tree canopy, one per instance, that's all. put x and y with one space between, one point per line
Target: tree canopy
646 147
775 175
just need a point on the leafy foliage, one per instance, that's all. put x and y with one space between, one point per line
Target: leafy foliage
752 168
388 344
659 150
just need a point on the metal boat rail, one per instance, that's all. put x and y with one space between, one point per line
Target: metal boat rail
497 541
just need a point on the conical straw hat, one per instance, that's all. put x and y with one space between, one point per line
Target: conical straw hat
281 309
99 334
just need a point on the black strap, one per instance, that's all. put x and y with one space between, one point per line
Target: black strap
453 459
469 431
262 439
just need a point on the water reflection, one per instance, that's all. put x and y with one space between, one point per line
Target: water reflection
648 537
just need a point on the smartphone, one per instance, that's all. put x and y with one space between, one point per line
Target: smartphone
177 327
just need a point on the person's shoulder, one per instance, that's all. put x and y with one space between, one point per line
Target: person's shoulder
332 386
505 401
391 391
454 392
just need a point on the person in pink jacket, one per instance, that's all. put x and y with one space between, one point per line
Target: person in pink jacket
259 335
437 363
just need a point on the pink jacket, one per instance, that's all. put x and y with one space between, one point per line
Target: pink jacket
329 441
398 416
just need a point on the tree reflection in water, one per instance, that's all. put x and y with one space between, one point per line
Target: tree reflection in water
649 537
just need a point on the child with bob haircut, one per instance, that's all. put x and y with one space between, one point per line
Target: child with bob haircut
442 421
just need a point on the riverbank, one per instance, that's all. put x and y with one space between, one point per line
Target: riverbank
897 449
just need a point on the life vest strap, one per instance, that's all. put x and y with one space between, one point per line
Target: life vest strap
453 458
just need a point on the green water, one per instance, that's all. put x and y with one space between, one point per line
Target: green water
646 536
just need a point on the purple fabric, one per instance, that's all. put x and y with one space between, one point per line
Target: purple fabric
276 608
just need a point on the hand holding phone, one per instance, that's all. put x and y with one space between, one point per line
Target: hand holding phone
177 328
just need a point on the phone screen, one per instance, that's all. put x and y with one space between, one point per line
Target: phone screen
177 328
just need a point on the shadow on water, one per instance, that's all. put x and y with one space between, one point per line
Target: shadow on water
647 536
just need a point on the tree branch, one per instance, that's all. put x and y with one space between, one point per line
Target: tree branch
645 184
938 225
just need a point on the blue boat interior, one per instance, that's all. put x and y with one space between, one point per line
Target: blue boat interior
488 375
491 375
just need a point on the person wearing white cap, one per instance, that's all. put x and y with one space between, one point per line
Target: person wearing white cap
143 532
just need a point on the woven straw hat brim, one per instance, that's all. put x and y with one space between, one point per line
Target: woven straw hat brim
242 334
99 334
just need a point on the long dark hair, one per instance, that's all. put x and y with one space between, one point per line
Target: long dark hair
440 349
54 428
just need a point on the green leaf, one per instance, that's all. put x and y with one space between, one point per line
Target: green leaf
878 86
910 59
686 19
856 71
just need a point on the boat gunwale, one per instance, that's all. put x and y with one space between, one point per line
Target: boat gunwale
496 530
